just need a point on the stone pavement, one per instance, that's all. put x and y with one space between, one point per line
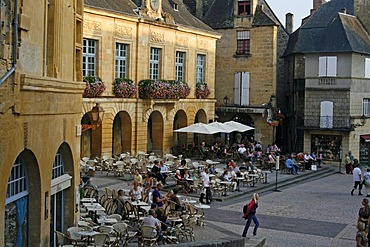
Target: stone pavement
285 216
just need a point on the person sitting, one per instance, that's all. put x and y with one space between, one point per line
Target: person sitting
228 178
148 183
251 168
242 149
157 198
152 221
136 193
289 163
164 170
204 150
179 206
308 160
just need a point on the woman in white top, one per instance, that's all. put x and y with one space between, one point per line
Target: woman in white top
136 193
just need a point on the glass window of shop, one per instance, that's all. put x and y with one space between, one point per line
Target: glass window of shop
326 146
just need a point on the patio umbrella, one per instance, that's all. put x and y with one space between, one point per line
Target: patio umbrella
223 127
199 128
238 126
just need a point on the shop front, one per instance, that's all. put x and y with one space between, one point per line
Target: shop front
364 150
327 147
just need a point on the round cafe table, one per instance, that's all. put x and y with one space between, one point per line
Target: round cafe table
253 178
202 206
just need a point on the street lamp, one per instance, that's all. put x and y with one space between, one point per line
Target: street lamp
226 100
96 117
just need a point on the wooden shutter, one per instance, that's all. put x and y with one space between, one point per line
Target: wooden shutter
322 66
237 78
331 64
245 89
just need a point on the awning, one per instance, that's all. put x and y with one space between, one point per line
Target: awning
365 137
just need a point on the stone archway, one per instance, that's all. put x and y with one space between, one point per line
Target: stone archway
180 121
201 117
23 200
155 133
122 133
91 140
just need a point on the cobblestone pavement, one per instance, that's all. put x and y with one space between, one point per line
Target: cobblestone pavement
315 213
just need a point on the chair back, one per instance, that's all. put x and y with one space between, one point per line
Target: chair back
101 239
148 232
73 232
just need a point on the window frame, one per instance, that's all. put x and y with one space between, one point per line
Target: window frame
367 68
243 45
244 8
200 68
180 66
328 66
89 58
121 60
155 63
366 106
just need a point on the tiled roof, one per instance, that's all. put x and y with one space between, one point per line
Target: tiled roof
120 6
221 15
181 17
328 30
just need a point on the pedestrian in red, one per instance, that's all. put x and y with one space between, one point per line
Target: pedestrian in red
250 215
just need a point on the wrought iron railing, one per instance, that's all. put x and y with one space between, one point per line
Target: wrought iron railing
327 122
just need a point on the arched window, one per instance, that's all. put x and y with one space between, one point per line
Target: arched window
16 208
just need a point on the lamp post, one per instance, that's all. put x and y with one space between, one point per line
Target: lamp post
340 159
226 100
96 117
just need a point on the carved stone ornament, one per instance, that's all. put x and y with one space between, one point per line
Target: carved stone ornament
182 41
124 32
157 37
92 25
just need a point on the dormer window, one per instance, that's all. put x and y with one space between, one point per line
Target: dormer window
244 7
175 6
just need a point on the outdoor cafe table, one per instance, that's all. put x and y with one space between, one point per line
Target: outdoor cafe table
135 203
108 221
202 206
225 184
88 234
189 201
253 178
238 182
266 172
86 199
93 206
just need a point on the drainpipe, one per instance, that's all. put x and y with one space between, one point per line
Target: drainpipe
15 44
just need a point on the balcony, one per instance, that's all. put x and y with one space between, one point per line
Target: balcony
327 122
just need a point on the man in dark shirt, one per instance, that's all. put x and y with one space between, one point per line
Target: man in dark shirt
157 198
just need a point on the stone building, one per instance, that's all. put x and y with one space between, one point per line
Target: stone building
328 76
40 101
249 67
156 40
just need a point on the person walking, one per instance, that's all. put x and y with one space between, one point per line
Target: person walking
357 177
366 182
364 214
250 215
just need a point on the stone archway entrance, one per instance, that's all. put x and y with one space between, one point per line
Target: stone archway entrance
155 133
90 139
180 121
122 133
200 117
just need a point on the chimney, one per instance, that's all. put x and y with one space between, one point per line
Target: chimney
199 9
317 4
343 10
289 18
362 12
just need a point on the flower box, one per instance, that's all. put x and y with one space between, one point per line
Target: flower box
124 88
163 89
201 90
94 87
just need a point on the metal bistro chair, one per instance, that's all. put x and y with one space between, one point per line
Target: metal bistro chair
148 236
64 241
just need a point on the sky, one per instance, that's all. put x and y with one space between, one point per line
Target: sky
299 8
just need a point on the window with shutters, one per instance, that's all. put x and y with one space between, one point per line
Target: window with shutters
241 88
328 66
89 57
201 59
180 66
